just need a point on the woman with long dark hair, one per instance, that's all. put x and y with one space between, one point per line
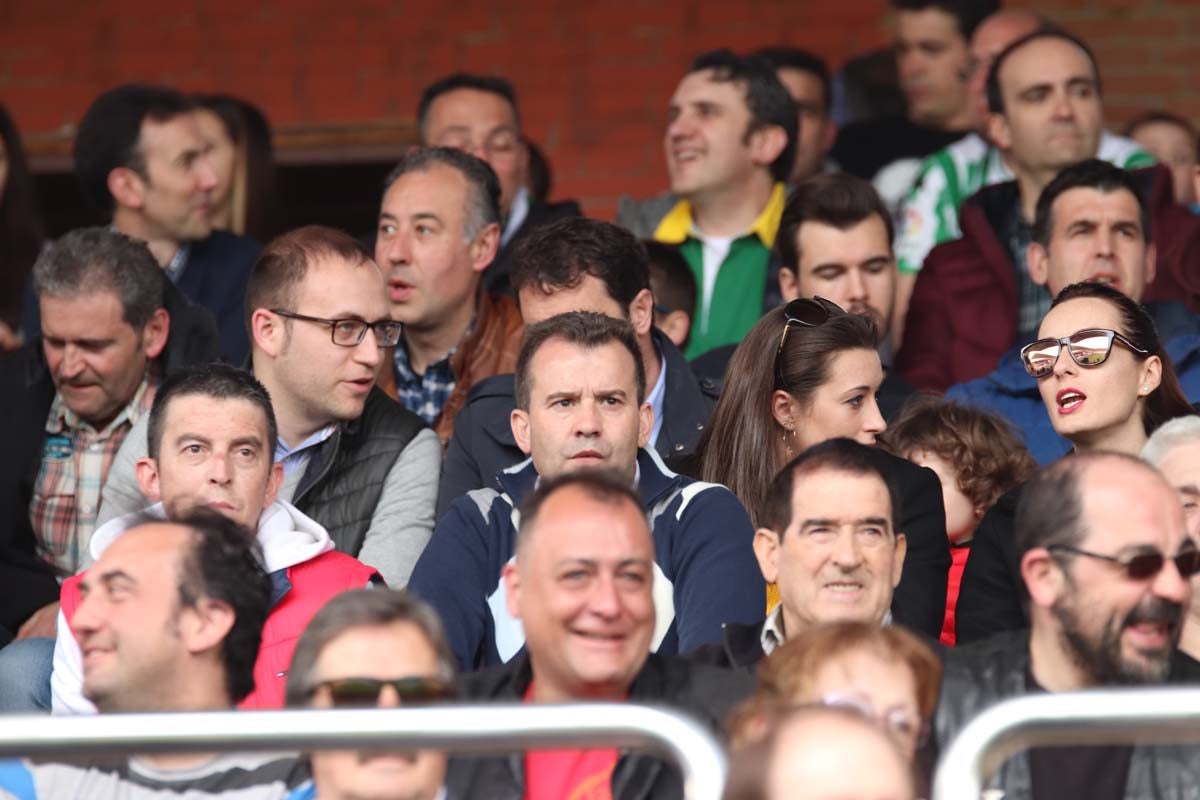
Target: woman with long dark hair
807 372
21 234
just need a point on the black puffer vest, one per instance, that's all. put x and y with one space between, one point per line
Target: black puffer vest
345 476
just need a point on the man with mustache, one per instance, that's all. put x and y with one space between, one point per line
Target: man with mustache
976 296
1105 558
581 405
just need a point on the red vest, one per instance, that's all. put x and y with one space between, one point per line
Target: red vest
313 583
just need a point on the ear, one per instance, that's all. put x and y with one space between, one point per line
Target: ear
1039 263
784 409
645 424
641 312
676 325
898 558
766 144
154 335
766 550
518 420
1151 376
147 477
998 132
274 481
483 249
1043 576
127 188
204 626
1151 263
789 284
511 576
267 332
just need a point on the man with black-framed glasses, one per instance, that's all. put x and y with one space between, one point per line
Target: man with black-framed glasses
1105 558
353 460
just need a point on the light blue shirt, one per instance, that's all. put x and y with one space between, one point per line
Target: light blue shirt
655 399
294 458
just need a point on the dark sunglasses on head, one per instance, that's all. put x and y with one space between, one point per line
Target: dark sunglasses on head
1088 348
807 312
365 692
1144 565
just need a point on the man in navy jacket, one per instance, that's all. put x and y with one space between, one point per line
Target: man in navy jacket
581 405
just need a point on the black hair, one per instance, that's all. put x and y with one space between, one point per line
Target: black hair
995 97
483 208
492 84
671 278
1165 118
967 13
768 102
559 255
218 381
1090 174
840 200
784 57
585 329
110 133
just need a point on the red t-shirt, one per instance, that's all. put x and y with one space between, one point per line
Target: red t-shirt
958 561
568 774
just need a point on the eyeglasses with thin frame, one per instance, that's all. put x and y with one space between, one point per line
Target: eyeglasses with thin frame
365 692
1088 348
349 332
808 312
1143 565
902 722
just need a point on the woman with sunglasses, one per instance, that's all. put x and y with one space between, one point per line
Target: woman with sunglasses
1107 384
808 372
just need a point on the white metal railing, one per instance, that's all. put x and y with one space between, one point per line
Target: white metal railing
495 728
1108 716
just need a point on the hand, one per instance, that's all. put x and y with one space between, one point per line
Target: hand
43 622
9 340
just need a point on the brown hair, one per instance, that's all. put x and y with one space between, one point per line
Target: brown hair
985 452
584 329
740 448
785 677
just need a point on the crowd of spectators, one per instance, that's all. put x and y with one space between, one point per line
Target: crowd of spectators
848 435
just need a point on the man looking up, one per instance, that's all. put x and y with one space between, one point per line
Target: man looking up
581 405
1105 557
211 434
1090 225
583 584
439 226
579 265
478 114
170 617
354 461
143 161
976 297
730 144
831 546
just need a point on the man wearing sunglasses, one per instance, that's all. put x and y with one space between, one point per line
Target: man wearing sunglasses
353 460
365 649
211 438
1106 560
1091 224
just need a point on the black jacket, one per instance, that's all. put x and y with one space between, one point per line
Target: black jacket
483 444
740 647
707 694
218 269
495 277
991 598
26 392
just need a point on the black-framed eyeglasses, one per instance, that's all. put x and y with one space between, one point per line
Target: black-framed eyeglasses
349 332
808 312
1088 348
365 692
1143 565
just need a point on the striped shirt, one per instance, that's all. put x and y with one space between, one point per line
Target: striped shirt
75 462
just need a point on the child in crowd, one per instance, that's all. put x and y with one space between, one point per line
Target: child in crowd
976 456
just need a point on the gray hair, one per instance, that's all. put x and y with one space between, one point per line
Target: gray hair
483 206
1179 431
364 608
88 261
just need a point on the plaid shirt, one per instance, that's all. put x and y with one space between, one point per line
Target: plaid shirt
424 395
75 462
1034 299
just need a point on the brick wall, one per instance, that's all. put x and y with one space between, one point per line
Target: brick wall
594 77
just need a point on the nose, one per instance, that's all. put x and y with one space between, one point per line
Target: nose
218 470
846 553
1064 364
1062 106
396 249
1170 585
679 127
72 363
88 615
587 419
873 421
368 351
1104 242
604 600
388 697
206 176
856 287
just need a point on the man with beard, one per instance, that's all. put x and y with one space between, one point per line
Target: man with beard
1105 558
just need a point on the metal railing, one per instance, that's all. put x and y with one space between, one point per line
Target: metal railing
1099 717
475 729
